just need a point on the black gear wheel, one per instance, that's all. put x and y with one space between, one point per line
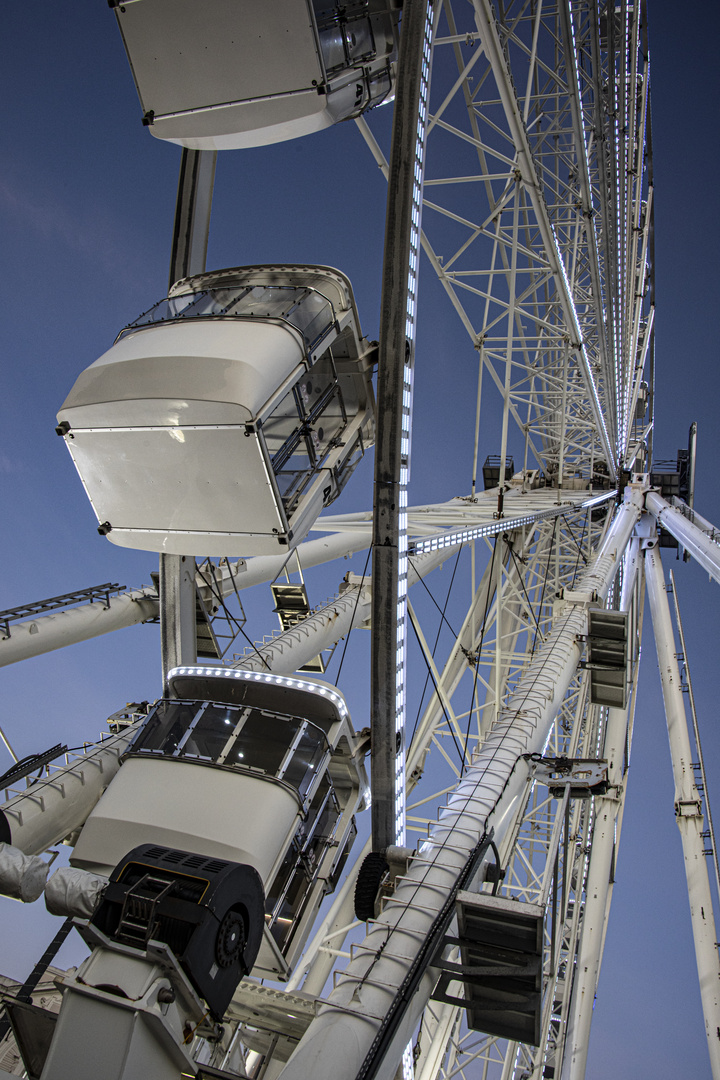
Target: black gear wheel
231 939
373 870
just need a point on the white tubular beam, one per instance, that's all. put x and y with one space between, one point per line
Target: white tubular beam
607 820
297 646
693 539
631 565
697 519
687 808
340 1038
435 1041
55 631
312 553
55 806
61 628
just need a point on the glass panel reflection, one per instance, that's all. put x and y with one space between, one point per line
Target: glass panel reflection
304 308
235 737
290 889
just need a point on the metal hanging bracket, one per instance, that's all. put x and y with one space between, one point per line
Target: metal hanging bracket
584 776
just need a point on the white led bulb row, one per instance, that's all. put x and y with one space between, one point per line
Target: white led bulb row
260 676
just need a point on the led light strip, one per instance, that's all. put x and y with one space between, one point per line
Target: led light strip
580 344
259 676
492 528
406 423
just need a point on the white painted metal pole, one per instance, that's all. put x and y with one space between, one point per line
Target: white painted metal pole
55 631
695 540
697 519
608 812
324 549
339 1039
86 621
631 565
687 808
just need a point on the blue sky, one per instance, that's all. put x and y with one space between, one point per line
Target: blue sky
86 209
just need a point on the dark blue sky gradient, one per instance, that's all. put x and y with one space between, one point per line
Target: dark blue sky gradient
86 208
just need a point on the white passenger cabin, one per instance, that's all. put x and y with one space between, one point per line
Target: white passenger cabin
224 418
224 75
252 768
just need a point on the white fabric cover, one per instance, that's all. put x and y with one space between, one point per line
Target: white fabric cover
22 877
71 891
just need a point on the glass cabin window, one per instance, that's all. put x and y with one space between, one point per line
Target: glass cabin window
305 760
165 727
263 742
291 886
346 39
304 308
288 748
302 429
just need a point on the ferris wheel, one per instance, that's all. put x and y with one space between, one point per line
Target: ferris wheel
466 936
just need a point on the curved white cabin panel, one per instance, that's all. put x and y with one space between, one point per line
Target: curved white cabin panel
192 808
225 417
221 75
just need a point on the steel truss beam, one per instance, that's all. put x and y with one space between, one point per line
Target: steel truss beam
489 793
514 235
581 729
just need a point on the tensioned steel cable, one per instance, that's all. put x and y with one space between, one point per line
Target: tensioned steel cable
572 534
477 660
437 689
586 519
442 612
437 639
545 577
357 601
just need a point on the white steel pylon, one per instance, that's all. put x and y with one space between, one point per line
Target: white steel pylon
688 809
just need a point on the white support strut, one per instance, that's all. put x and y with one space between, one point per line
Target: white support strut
59 629
694 539
49 632
349 1020
297 646
57 805
608 809
688 812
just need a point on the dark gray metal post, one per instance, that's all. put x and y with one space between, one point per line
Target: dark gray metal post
33 980
192 213
189 252
392 448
